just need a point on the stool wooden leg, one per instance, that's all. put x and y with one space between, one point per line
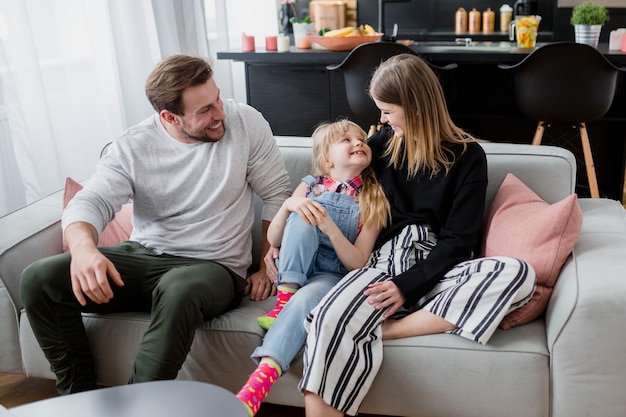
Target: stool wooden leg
538 134
591 170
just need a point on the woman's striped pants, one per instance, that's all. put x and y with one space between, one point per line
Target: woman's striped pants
344 348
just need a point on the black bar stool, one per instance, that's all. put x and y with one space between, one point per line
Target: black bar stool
569 83
358 68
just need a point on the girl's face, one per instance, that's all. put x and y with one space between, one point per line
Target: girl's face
349 152
393 115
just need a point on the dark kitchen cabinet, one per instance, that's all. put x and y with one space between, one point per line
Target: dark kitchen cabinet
294 98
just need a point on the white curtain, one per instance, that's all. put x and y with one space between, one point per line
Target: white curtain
72 76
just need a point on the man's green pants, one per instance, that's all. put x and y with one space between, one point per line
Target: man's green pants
180 293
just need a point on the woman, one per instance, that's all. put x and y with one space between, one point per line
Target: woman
422 270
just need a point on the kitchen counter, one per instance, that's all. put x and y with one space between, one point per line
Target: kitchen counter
479 52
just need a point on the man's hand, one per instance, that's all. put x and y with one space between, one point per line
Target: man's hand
90 270
259 286
270 263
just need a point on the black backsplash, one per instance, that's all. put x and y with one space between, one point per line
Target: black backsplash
434 19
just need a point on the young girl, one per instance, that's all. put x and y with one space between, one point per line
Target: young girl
435 176
325 229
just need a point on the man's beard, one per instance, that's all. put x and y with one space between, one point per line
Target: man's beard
202 136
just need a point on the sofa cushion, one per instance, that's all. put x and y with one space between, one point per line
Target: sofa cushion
118 230
522 225
220 352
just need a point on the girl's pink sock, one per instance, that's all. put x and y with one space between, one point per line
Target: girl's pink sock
258 386
284 294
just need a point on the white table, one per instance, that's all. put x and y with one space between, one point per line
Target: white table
147 399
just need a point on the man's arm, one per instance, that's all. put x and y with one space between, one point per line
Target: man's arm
89 269
259 285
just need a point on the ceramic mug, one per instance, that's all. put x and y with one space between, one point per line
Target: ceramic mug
247 43
271 43
524 30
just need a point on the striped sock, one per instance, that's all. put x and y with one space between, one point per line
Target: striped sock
284 294
258 386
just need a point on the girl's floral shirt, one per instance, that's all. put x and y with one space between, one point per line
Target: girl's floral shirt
351 187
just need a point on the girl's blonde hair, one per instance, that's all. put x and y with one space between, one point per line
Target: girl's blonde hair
373 205
407 81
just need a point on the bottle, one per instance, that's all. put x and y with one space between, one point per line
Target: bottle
460 21
474 21
506 15
489 21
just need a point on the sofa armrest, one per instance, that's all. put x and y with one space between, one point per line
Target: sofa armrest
585 319
28 234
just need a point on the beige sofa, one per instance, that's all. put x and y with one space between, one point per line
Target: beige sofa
570 363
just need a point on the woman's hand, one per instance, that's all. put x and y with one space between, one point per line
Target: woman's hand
385 295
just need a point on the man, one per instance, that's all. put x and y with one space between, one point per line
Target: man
191 170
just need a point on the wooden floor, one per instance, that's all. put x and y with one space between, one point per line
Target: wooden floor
18 389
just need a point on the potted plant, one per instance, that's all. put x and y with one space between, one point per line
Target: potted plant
588 18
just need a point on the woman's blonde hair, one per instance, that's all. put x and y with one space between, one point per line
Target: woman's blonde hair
373 205
406 80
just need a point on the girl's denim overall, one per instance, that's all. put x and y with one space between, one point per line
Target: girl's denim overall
308 259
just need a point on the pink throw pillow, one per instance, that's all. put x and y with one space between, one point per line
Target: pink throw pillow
118 230
522 225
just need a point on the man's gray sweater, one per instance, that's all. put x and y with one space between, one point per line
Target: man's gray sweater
191 200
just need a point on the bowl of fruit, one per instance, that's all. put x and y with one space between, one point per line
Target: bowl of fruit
345 39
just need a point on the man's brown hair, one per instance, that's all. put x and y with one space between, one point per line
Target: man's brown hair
171 76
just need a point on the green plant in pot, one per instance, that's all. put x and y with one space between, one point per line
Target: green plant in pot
588 18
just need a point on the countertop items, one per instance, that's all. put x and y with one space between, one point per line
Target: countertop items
617 40
437 51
